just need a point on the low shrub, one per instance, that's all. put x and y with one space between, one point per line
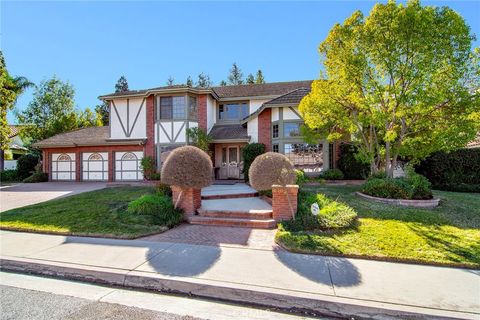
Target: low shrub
158 207
301 177
37 177
332 174
250 152
422 188
266 193
148 166
164 189
155 176
9 175
332 214
390 188
351 167
26 165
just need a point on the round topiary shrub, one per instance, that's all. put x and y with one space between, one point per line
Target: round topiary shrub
187 167
270 169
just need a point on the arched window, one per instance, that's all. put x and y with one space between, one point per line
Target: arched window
64 157
129 156
95 156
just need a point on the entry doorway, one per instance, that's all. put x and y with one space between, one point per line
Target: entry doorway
229 162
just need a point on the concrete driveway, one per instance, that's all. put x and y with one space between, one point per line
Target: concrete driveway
24 194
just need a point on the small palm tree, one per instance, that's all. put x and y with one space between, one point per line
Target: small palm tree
11 88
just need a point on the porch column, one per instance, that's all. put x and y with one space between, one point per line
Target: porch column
326 155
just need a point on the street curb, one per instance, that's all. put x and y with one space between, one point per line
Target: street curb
301 302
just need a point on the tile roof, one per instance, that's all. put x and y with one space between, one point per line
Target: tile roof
244 90
474 143
93 136
229 132
14 130
293 97
264 89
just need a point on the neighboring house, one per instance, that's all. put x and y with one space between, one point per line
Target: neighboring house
474 143
153 122
15 150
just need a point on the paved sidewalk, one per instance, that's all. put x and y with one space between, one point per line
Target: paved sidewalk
24 194
218 236
239 274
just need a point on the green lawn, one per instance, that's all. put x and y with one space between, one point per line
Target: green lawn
449 234
96 213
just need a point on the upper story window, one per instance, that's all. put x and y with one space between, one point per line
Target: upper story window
192 108
172 107
291 129
275 131
232 111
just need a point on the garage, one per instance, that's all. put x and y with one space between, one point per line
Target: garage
127 166
63 167
95 166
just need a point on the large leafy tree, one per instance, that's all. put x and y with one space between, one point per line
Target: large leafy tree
401 82
10 89
52 111
250 79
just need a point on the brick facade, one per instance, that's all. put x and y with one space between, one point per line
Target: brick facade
264 128
202 111
78 157
150 145
190 200
284 202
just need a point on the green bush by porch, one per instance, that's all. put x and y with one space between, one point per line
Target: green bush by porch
101 213
447 235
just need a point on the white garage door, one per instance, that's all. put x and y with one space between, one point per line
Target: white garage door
127 166
95 166
63 166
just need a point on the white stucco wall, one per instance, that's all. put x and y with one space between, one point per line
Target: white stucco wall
290 115
255 104
211 112
275 114
252 129
131 129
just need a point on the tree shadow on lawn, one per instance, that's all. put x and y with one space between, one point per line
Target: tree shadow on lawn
456 249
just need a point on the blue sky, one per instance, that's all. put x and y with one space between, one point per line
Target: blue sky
91 44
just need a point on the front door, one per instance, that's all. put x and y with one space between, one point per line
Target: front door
233 170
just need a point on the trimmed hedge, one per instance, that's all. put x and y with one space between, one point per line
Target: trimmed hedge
349 165
9 175
332 214
250 152
158 207
455 171
26 165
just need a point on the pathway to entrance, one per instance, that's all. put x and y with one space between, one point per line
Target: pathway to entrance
262 239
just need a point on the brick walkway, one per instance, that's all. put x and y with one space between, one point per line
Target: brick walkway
218 236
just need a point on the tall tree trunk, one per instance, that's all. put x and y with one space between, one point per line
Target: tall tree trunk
388 161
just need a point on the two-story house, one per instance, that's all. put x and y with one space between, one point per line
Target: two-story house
153 122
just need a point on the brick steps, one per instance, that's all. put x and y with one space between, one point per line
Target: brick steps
230 196
233 222
252 214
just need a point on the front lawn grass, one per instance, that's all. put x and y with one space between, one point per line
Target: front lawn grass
96 213
446 235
